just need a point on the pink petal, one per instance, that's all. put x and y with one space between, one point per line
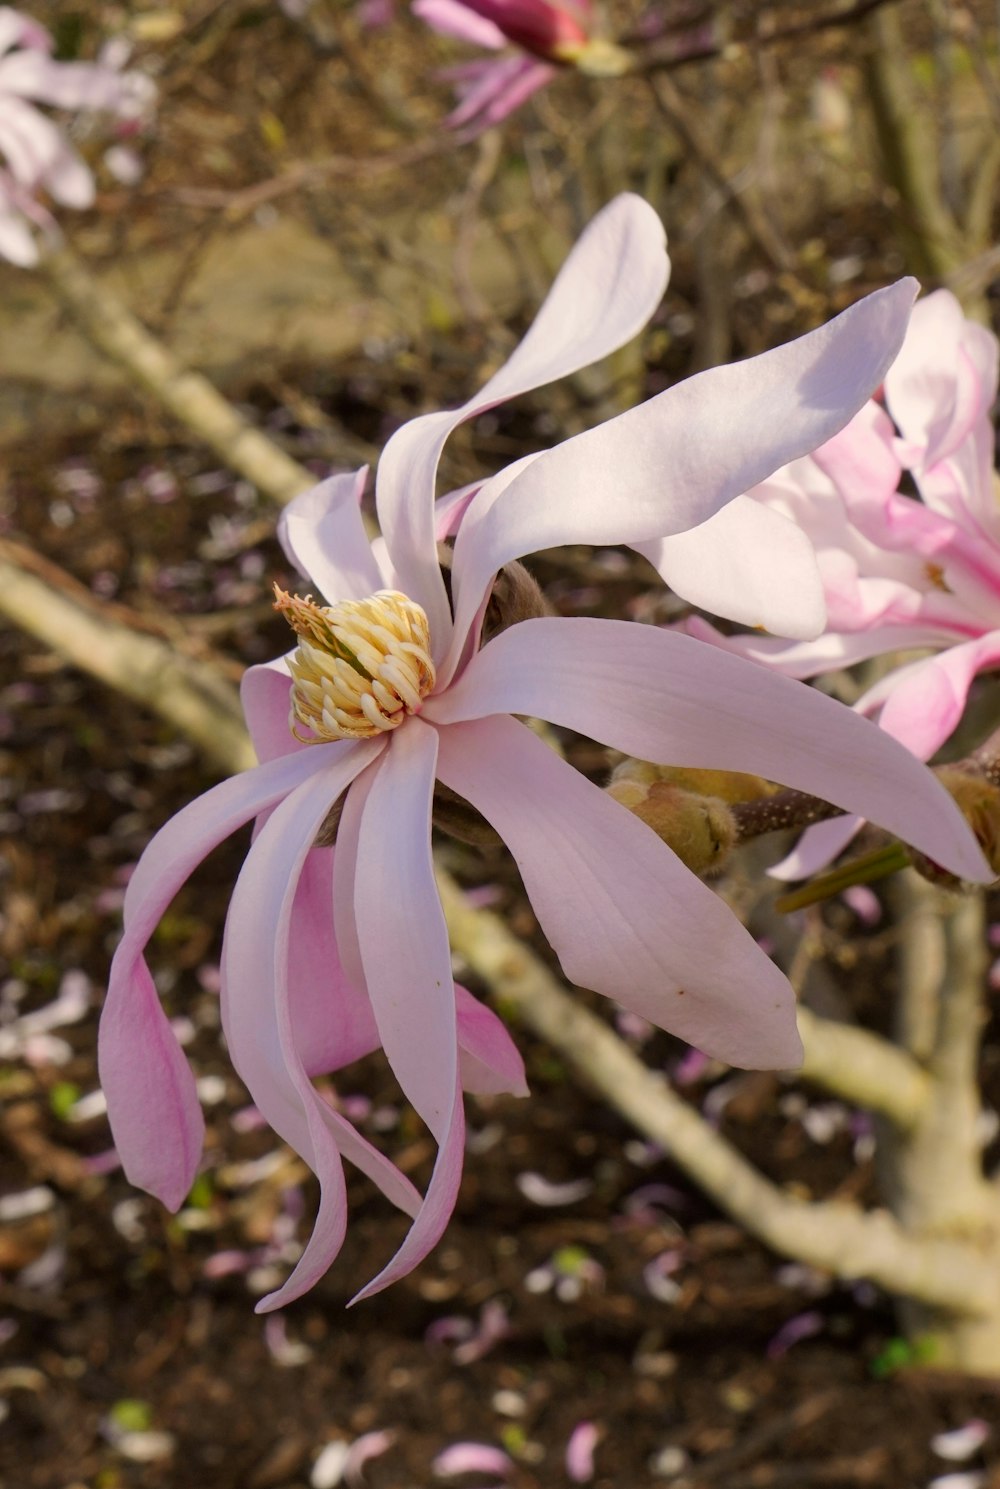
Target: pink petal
256 1007
749 564
665 697
64 85
501 87
403 945
472 1457
926 705
436 1211
827 653
265 695
489 1060
152 1105
673 462
627 919
580 1453
400 926
324 536
332 1019
451 18
818 846
936 390
605 292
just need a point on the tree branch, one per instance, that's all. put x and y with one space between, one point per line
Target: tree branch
834 1236
189 694
116 332
863 1068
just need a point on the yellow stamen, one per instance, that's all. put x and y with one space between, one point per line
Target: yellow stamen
361 667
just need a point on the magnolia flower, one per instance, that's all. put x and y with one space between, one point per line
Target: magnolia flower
330 953
547 33
901 572
35 154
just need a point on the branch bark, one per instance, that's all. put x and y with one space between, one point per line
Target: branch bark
189 694
864 1069
120 335
848 1242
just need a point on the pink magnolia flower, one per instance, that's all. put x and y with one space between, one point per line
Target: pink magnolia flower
547 33
901 572
35 155
331 953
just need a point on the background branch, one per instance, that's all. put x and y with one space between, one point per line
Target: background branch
120 335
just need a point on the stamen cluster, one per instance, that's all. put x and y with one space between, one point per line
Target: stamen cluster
361 667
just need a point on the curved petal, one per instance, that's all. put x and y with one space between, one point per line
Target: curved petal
323 535
926 705
401 932
332 1018
622 913
827 653
500 86
665 697
673 462
264 695
451 18
605 292
489 1060
749 564
436 1210
406 964
152 1104
937 390
818 846
256 1008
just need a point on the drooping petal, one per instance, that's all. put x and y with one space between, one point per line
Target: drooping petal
749 564
665 697
403 945
439 1202
152 1104
818 846
323 535
605 292
498 88
622 913
400 926
332 1018
489 1060
257 1011
673 462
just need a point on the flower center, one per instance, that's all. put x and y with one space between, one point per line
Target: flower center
360 667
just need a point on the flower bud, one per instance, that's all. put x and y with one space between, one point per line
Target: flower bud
701 830
554 32
979 802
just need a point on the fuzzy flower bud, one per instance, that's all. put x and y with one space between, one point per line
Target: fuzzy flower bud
700 829
979 800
